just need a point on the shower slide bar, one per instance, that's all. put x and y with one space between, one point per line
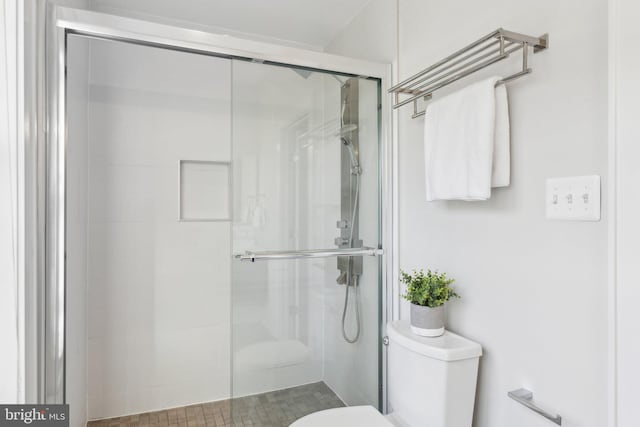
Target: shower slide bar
310 253
488 50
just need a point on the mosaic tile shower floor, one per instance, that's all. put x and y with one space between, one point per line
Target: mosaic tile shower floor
273 409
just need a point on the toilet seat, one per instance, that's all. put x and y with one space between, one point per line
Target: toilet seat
352 416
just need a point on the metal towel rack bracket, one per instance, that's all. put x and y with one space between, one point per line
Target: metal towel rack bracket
488 50
525 397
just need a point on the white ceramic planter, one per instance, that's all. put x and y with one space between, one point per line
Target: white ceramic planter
427 321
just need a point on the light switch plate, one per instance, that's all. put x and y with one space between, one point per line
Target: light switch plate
575 198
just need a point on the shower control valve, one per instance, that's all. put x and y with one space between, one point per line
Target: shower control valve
342 278
342 224
340 241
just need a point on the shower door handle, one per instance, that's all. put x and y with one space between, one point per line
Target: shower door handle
309 253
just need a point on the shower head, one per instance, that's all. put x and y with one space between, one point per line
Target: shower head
343 133
355 166
346 129
302 72
332 130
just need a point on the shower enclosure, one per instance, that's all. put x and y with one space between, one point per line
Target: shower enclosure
221 212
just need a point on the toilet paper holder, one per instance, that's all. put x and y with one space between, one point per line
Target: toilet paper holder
525 397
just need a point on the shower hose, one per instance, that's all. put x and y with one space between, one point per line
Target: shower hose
352 279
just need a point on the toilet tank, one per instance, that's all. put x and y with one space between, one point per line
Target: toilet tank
431 381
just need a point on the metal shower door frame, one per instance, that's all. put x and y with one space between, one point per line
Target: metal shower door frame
49 235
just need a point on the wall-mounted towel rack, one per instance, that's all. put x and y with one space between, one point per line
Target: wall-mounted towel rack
492 48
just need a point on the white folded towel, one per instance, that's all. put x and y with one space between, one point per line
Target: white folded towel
466 143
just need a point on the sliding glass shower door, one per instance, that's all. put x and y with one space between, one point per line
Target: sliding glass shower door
306 228
223 226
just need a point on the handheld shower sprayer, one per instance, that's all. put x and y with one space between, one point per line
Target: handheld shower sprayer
343 133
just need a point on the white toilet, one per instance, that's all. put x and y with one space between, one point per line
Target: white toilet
432 383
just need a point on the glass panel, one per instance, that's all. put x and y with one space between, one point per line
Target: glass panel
305 148
177 160
149 142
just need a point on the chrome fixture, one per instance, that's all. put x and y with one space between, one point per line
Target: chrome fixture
342 279
525 397
311 253
492 48
350 267
343 133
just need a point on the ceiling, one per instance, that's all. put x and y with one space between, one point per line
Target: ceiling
313 23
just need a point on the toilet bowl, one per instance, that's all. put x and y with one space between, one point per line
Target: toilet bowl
432 383
352 416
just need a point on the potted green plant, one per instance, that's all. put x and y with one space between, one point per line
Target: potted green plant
427 293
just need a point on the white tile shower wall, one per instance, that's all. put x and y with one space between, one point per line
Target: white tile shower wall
533 291
159 289
77 213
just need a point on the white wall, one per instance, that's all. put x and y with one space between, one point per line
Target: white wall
625 89
77 216
305 24
371 35
533 291
31 132
20 31
11 378
158 288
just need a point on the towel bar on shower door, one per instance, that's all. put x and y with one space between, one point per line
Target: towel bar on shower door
309 253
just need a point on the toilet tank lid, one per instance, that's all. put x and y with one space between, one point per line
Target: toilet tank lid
448 347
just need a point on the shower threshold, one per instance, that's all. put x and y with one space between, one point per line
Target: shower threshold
273 409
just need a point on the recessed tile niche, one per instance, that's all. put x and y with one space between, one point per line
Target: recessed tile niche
204 191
